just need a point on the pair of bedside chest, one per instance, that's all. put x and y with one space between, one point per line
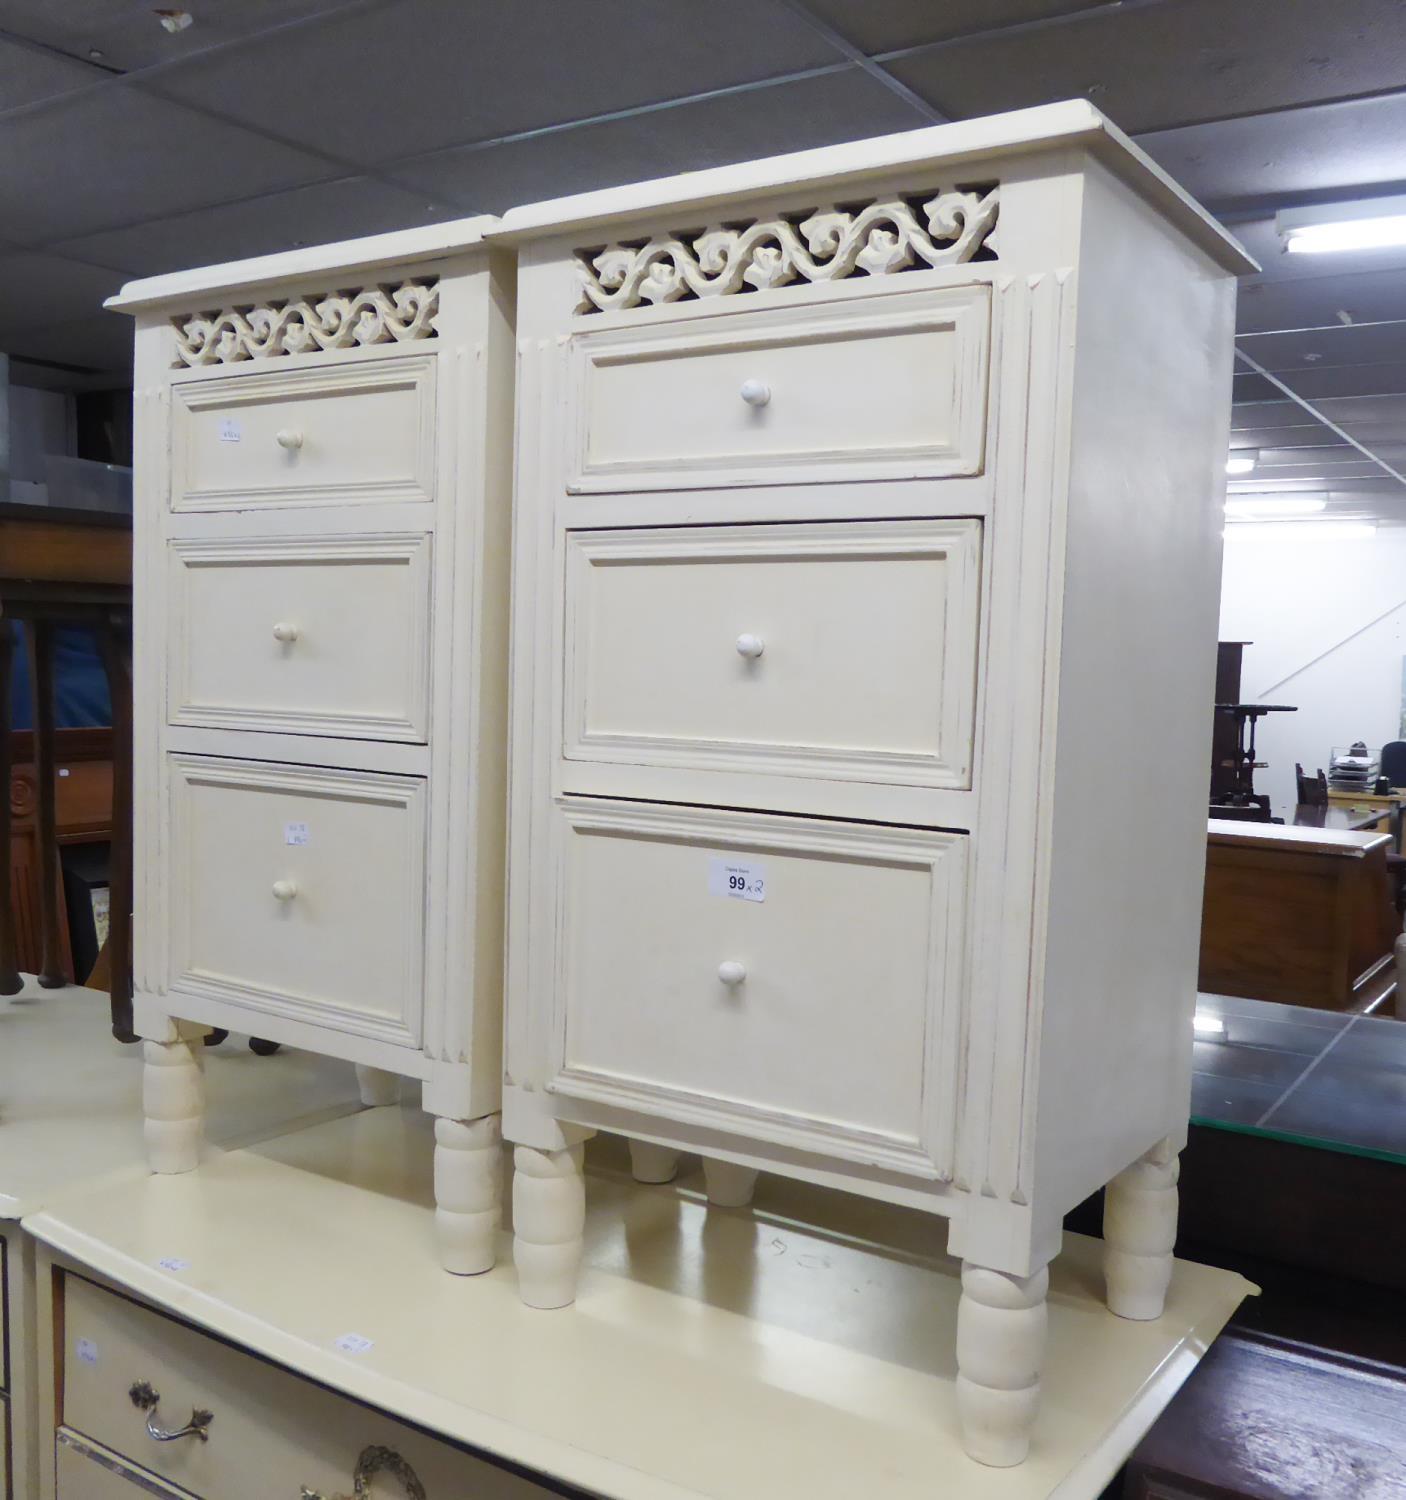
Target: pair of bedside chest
864 561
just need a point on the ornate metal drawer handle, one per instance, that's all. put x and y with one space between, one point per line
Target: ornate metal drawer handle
375 1460
145 1397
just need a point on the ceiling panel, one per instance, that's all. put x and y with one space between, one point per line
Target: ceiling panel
1366 297
103 342
1358 412
786 117
449 71
325 211
115 156
28 74
883 25
1335 344
40 288
1251 428
1319 383
129 33
1231 59
1329 150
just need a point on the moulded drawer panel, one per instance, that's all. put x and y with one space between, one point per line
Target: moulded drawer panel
303 635
300 891
883 387
271 1433
777 648
333 434
786 979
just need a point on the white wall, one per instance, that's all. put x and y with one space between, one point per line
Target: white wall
1328 622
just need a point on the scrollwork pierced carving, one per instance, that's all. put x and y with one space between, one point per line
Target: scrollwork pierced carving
877 239
307 325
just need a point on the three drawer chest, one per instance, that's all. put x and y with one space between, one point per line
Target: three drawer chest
867 552
323 467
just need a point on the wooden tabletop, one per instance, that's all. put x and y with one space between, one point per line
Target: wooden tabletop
1345 843
1337 815
44 545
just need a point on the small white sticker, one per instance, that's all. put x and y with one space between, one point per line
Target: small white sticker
729 877
353 1343
173 1263
87 1351
63 771
297 834
229 430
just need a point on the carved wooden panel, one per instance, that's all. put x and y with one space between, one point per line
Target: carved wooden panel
308 325
875 239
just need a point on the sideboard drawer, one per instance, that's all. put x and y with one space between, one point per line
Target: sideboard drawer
776 648
86 1471
302 634
270 1434
883 387
4 1315
300 891
793 980
334 434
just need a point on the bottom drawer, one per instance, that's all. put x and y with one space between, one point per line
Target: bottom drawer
270 1433
790 980
84 1471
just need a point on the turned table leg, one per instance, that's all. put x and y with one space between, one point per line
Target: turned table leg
173 1103
468 1175
41 683
1139 1231
651 1163
729 1186
115 647
549 1217
376 1086
10 981
1001 1323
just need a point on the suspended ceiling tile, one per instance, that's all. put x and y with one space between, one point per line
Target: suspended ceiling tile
1251 429
884 25
1353 413
129 33
1318 384
390 82
1230 59
1326 151
1335 344
784 117
38 287
114 156
323 212
1366 297
28 74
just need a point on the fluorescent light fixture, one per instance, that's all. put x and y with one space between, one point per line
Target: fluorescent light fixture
1205 1024
1242 461
1272 507
1370 224
1305 530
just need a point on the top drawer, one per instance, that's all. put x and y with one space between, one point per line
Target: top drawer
881 387
334 435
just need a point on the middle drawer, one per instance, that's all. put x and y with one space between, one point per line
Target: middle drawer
303 635
833 649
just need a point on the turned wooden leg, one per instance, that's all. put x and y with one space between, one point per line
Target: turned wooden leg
41 683
1139 1231
549 1216
10 981
173 1101
729 1186
468 1175
651 1163
115 645
1000 1342
377 1086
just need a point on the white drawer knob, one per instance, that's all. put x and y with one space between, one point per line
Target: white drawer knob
289 437
755 392
285 632
750 646
285 890
731 973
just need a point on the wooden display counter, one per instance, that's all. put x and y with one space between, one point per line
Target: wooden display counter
1299 915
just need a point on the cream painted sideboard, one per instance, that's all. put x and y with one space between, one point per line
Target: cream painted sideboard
866 548
322 477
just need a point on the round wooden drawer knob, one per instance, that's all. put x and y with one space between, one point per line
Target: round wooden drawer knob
750 646
731 973
289 438
755 392
285 890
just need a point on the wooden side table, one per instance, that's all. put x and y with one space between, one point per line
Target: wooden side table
60 567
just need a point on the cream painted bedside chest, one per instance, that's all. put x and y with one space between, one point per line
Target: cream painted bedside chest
867 549
323 468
